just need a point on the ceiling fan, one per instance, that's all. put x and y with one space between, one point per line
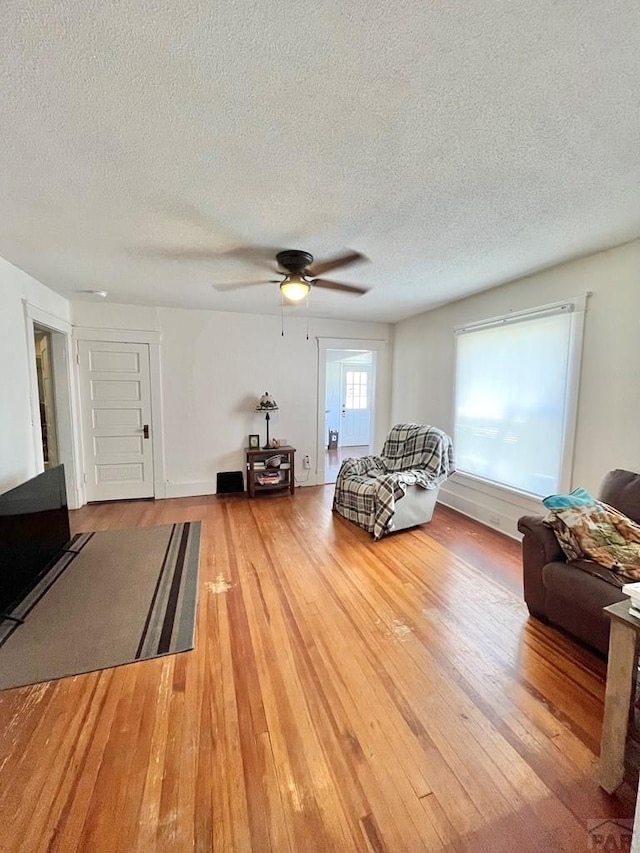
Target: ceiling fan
301 274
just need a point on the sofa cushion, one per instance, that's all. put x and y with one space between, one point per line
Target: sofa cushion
621 489
574 600
598 571
583 588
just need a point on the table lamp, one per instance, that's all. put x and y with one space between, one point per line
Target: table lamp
267 404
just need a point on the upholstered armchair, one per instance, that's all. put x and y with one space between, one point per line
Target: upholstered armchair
399 488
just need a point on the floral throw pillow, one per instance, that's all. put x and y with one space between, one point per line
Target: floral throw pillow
566 539
556 519
598 532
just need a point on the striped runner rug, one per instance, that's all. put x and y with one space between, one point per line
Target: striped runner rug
113 597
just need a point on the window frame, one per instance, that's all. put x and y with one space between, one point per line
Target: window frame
576 306
360 385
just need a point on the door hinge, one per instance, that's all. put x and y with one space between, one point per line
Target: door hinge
84 477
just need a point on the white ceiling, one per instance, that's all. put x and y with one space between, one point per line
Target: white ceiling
457 144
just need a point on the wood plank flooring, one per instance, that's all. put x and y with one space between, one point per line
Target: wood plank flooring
343 695
333 459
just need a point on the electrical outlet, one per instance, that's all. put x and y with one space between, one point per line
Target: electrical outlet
494 519
306 462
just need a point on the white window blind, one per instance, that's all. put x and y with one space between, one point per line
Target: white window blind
516 383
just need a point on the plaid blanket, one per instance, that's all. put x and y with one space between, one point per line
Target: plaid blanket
368 488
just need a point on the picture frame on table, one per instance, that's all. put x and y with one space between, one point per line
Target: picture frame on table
254 442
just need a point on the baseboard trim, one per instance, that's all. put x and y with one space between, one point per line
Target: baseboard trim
495 518
190 490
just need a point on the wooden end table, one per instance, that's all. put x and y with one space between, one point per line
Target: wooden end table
255 464
621 679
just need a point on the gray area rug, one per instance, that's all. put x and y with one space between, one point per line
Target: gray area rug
116 596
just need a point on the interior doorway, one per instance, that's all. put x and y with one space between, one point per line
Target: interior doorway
52 396
115 383
349 406
42 339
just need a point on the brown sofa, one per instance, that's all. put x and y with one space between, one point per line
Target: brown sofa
571 595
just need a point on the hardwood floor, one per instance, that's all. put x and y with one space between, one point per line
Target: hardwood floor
333 459
343 695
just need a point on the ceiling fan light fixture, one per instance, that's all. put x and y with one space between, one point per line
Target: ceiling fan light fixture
295 287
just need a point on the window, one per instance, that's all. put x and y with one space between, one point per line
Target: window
356 389
516 390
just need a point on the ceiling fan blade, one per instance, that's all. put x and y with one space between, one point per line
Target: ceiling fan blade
262 256
334 263
336 285
258 256
183 254
238 285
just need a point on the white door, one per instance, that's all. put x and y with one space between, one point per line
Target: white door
116 420
356 405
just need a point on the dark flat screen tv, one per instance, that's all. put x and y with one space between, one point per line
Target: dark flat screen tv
34 529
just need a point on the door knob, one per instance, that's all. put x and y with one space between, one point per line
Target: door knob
145 431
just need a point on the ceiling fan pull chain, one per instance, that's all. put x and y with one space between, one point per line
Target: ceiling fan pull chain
308 312
281 315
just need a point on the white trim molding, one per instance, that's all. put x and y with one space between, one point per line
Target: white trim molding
118 336
45 318
190 490
67 401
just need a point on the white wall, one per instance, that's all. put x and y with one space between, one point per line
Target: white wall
609 404
215 366
17 458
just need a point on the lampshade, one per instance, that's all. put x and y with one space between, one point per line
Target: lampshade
295 287
266 403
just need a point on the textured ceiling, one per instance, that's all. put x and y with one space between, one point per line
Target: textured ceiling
458 144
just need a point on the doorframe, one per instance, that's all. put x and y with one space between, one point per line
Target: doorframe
380 392
67 401
134 336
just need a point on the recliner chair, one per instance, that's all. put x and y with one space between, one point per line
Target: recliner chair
399 488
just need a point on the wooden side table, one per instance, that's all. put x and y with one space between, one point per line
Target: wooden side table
621 679
256 467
